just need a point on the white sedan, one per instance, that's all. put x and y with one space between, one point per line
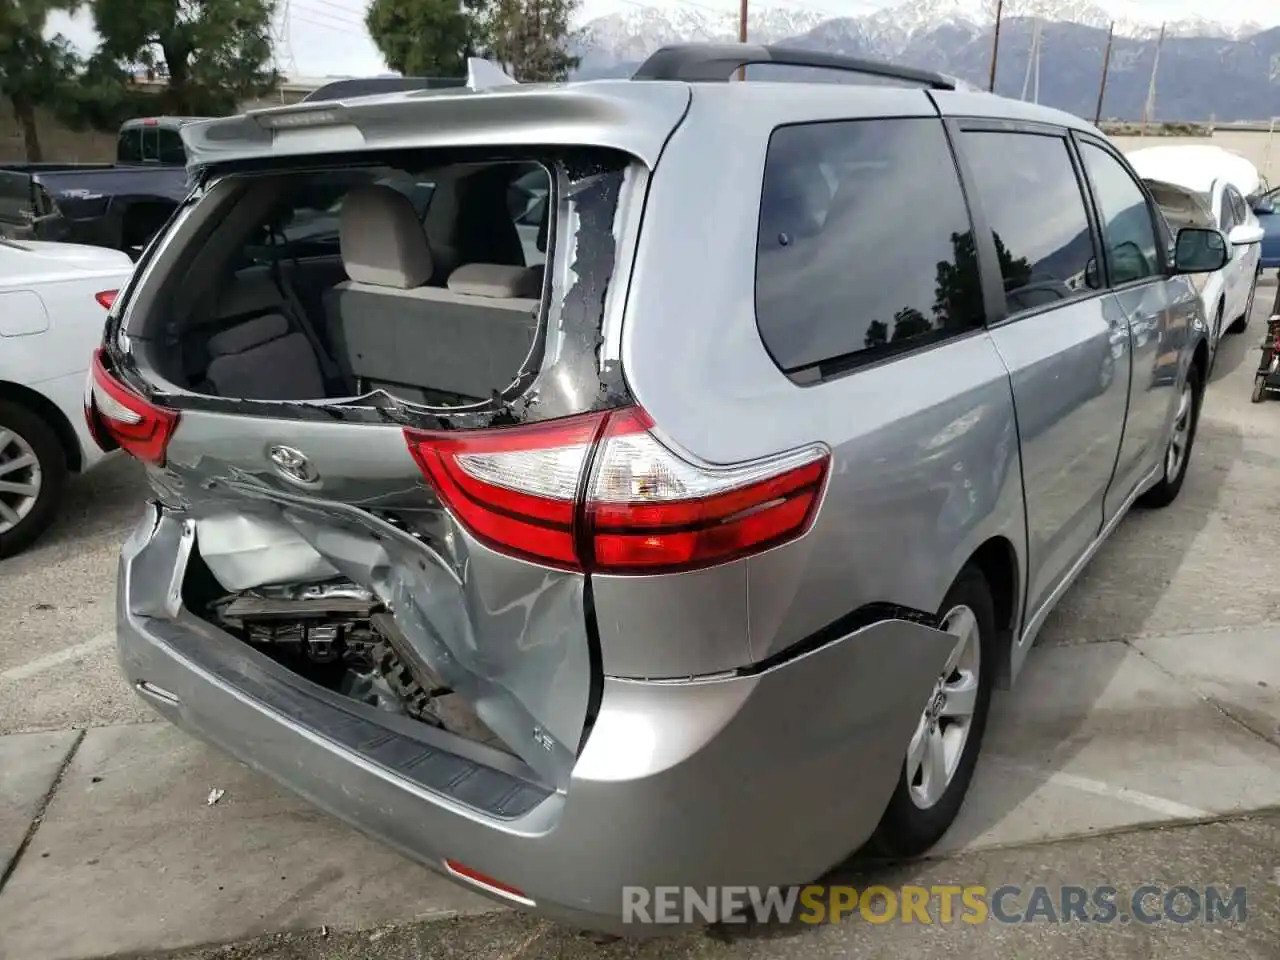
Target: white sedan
1206 186
54 299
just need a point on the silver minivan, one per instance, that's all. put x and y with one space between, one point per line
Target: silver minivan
637 482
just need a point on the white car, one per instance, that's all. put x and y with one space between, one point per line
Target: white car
54 299
1206 186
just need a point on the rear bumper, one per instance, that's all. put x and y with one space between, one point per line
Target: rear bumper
755 780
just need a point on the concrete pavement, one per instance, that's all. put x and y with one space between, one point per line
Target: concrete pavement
1097 738
1153 697
1236 853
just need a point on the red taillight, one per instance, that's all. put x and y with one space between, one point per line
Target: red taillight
137 426
106 298
643 509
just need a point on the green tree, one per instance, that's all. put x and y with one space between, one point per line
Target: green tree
877 334
530 38
910 322
214 53
34 70
425 38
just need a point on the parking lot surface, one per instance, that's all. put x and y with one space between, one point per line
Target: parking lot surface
1142 744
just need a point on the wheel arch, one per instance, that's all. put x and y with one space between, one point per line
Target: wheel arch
998 561
45 408
1200 359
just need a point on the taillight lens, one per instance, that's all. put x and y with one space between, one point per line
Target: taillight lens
651 510
642 509
106 298
129 420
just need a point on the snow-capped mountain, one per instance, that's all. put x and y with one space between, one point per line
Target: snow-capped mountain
630 36
1226 69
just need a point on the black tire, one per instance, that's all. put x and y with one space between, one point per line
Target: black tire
1217 339
1259 388
906 829
42 438
1167 490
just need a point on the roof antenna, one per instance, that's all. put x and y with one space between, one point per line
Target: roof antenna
485 75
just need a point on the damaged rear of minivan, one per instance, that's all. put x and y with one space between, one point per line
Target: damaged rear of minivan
372 367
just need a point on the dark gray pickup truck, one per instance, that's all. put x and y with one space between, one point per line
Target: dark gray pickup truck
119 205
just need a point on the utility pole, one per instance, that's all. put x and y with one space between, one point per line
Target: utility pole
995 45
1035 84
742 33
1031 58
1106 68
1149 108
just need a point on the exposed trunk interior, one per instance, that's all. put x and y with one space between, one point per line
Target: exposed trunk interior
426 284
340 636
466 290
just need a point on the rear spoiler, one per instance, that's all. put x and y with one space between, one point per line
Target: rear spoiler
490 109
370 86
481 75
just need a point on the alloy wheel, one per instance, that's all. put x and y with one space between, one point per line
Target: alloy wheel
943 730
1181 435
20 479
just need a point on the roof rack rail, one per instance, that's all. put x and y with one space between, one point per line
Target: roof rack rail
702 62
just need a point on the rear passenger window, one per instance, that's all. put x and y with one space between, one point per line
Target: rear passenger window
1238 211
1033 203
1128 229
129 146
864 244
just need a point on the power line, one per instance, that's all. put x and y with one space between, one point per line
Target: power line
325 26
313 15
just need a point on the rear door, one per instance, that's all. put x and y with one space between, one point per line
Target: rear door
1244 259
1228 220
1159 311
1064 339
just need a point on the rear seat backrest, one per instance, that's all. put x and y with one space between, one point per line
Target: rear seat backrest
469 340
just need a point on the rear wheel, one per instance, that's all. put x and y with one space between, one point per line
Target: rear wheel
1242 321
33 473
1181 440
1217 337
943 751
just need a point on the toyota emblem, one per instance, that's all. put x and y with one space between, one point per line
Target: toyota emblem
293 464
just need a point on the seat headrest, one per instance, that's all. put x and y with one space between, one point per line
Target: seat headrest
381 240
495 280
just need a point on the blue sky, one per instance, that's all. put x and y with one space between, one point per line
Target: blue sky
327 37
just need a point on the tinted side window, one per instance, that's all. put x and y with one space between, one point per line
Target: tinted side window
864 243
129 147
1227 218
150 145
1032 199
171 151
1238 212
1128 230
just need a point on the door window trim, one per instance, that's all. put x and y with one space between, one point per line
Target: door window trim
1079 139
998 313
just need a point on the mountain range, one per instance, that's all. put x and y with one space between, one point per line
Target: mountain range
1208 69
